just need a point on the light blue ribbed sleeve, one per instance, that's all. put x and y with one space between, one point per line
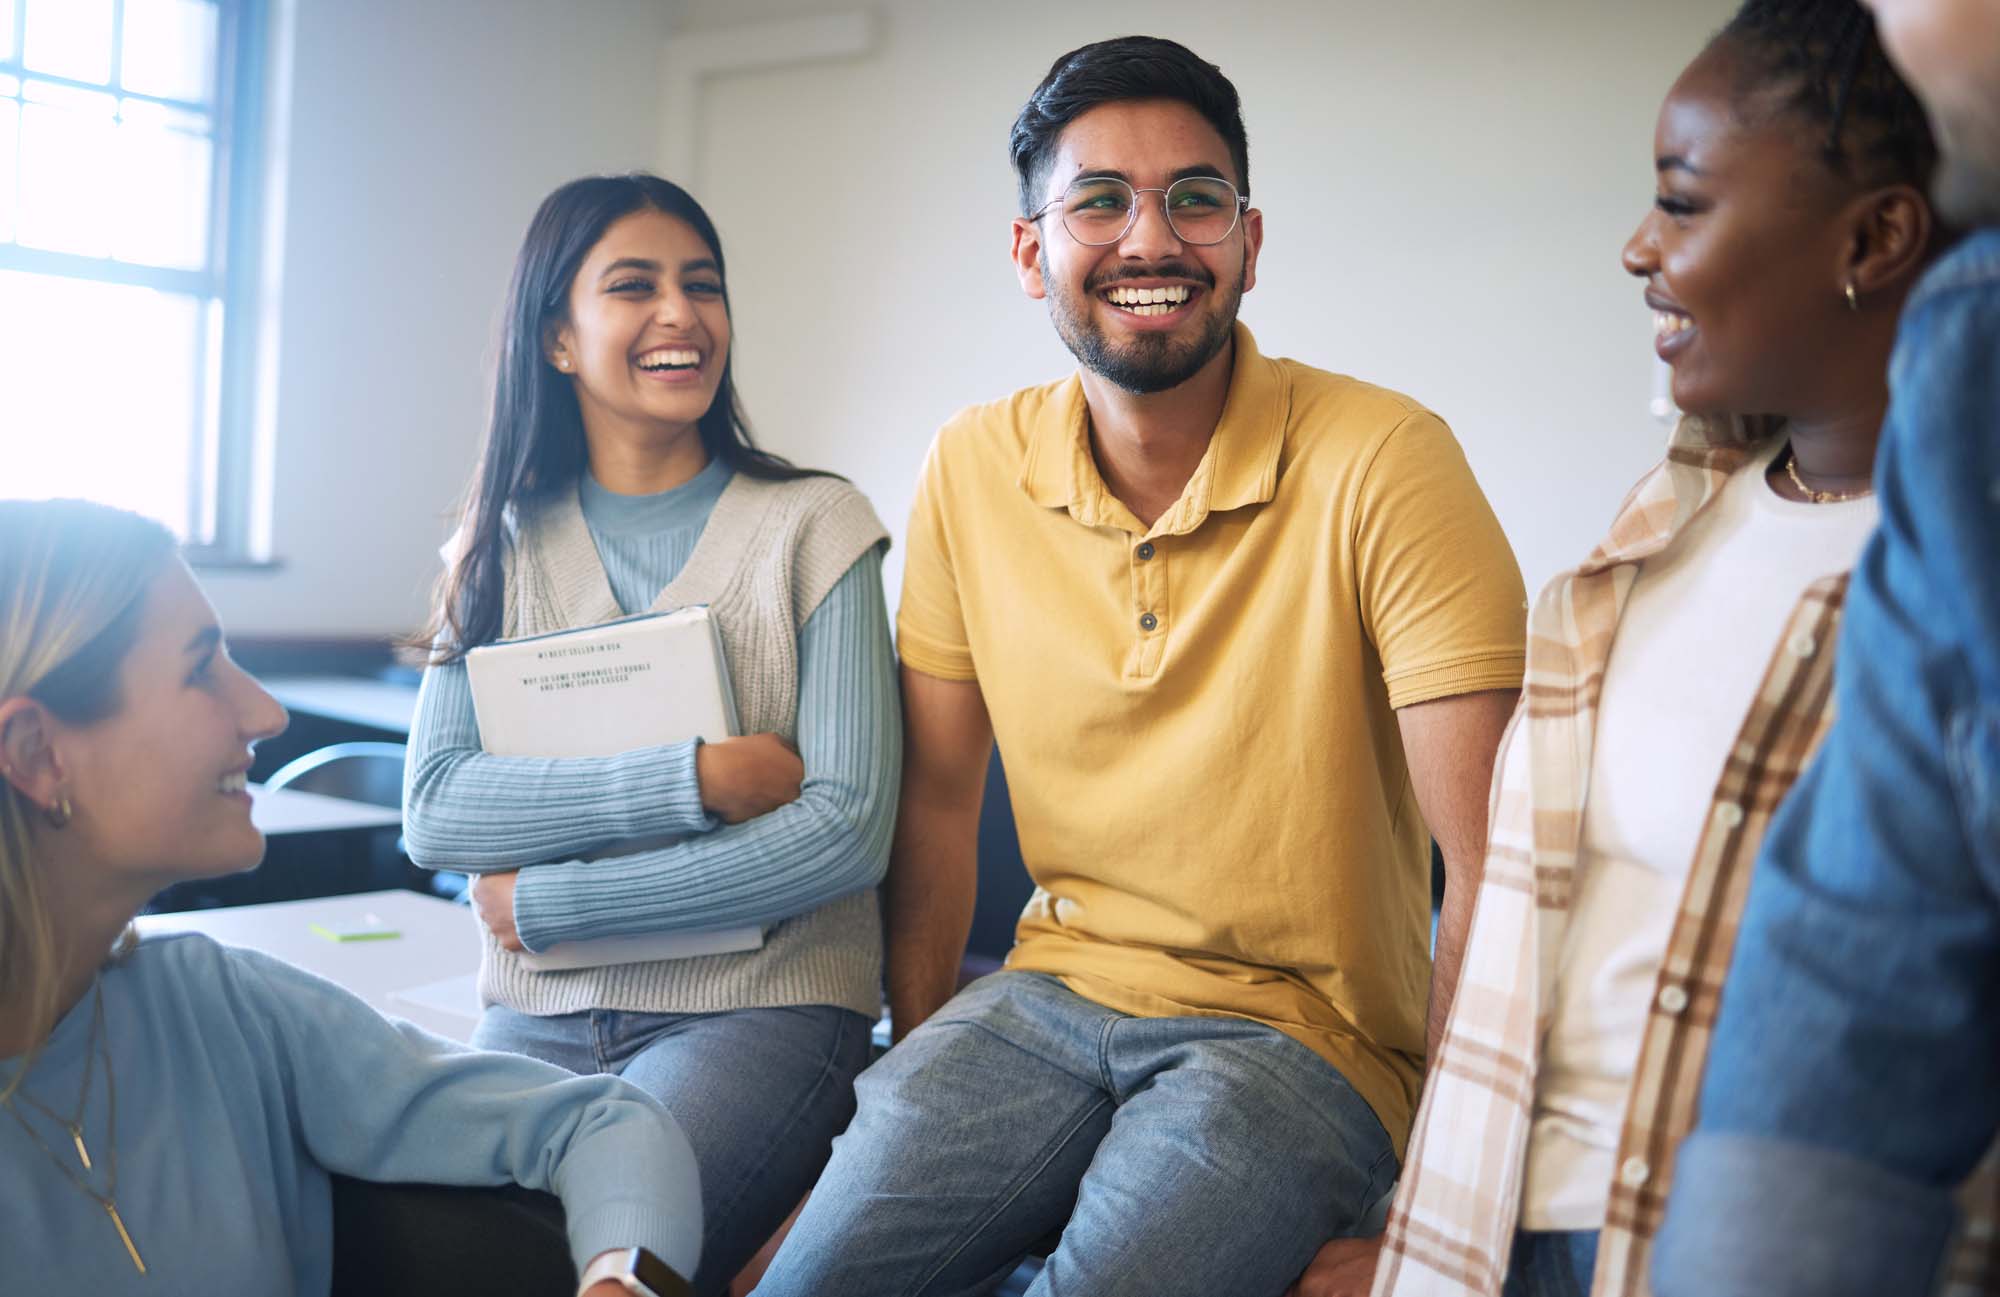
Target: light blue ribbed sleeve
832 841
465 810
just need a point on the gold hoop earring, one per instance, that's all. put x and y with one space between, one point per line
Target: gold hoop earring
1853 301
60 814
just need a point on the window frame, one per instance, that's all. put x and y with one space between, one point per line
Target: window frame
221 476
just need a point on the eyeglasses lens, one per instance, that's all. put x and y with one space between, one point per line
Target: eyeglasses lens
1201 209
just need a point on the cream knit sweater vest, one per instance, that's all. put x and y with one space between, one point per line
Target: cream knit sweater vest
767 556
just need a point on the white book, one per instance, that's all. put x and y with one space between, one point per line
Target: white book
598 691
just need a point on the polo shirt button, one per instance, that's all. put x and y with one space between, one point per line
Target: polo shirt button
1673 999
1729 813
1145 550
1635 1172
1148 621
1802 645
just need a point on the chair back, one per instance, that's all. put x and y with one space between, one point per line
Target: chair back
360 772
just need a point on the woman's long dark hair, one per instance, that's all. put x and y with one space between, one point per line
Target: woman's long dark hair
534 446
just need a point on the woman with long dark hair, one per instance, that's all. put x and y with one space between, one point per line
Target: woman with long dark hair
618 477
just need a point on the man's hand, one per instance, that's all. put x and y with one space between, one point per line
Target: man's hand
1344 1268
607 1288
493 902
747 777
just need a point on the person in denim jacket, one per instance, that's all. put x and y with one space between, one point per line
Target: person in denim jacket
1854 1081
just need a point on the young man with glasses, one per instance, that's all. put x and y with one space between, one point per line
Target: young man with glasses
1247 634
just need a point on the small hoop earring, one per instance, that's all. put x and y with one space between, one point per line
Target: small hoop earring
1853 301
60 814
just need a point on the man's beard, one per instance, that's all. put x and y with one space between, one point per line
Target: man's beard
1149 362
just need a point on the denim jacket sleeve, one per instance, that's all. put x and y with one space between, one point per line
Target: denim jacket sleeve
1854 1078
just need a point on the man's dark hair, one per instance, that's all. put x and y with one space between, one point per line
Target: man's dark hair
1129 67
1842 82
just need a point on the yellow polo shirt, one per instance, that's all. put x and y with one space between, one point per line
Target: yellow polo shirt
1197 718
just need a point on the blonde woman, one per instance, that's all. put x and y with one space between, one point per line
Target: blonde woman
173 1109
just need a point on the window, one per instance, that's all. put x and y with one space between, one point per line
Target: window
126 245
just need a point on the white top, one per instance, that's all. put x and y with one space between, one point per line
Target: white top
1693 644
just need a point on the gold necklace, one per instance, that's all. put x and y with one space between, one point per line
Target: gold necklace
1817 497
108 1200
73 1124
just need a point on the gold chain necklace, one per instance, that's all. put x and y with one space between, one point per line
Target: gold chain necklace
73 1124
1817 497
108 1200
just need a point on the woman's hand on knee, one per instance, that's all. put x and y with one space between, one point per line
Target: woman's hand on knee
747 777
1344 1268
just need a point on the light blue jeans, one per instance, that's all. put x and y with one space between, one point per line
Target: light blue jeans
1187 1155
760 1092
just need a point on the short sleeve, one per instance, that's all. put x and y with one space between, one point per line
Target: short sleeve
930 622
1441 595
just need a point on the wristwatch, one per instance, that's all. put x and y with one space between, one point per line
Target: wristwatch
645 1275
639 1272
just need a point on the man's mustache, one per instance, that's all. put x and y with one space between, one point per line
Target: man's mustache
1165 270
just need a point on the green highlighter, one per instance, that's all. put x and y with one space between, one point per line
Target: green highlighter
368 927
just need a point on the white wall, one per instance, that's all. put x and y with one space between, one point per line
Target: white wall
1446 185
423 134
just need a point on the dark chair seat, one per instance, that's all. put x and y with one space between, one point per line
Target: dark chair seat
427 1240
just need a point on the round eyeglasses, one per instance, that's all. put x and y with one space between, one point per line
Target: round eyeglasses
1097 210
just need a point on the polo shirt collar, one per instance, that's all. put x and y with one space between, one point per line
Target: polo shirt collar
1239 468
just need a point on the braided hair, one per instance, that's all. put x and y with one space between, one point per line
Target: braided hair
1839 79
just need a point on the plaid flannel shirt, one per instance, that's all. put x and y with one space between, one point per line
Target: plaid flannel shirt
1452 1227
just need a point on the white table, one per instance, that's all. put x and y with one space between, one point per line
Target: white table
375 704
425 973
281 811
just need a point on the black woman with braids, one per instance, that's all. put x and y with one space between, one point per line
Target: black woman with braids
1677 681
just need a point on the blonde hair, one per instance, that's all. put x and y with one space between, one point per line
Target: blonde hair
73 578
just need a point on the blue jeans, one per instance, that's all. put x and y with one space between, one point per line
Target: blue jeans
1187 1155
1551 1263
760 1092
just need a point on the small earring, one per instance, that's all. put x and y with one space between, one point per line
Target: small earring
1853 301
59 815
562 363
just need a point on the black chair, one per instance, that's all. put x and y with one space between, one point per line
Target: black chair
330 863
428 1240
372 772
1003 887
360 772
